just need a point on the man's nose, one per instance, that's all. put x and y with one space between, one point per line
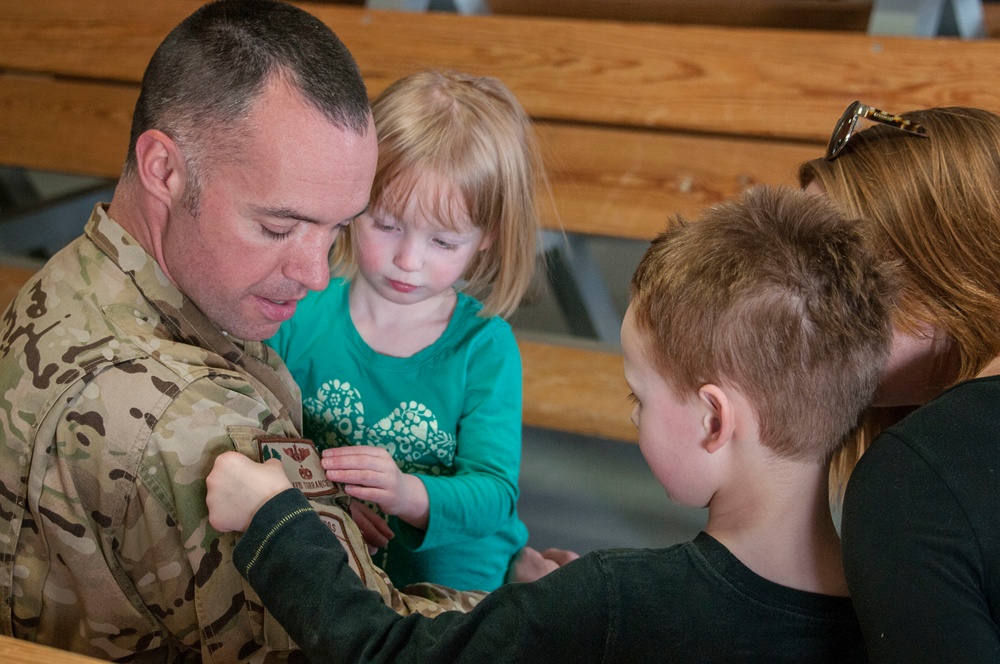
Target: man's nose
309 265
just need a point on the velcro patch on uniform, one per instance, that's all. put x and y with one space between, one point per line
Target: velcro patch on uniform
300 459
335 522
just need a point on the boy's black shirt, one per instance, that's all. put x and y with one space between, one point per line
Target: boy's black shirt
692 602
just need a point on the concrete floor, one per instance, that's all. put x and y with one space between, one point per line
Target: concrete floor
583 494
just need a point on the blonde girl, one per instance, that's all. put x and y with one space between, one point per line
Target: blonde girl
411 384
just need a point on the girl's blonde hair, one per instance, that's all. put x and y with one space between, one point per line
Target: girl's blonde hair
470 131
933 204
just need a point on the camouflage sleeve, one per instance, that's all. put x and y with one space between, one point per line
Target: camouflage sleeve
199 596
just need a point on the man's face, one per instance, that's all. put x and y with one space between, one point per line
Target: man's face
266 220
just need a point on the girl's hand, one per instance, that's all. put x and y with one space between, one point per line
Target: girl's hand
369 473
374 530
237 487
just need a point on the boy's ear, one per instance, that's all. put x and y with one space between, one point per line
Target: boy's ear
718 419
160 166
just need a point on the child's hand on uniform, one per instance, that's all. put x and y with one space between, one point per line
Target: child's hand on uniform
530 565
237 487
374 530
369 473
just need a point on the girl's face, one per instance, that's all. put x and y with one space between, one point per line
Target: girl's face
408 256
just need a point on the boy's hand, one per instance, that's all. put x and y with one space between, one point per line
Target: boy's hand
237 487
531 565
371 474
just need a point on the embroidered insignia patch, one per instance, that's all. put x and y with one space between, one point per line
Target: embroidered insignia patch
335 523
300 459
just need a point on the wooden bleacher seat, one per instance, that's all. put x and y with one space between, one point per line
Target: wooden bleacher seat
637 120
12 278
16 651
849 15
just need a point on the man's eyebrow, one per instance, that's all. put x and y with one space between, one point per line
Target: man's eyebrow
286 213
362 211
297 215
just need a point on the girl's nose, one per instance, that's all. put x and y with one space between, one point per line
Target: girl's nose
408 257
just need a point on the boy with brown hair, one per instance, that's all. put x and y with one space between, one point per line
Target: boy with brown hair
753 340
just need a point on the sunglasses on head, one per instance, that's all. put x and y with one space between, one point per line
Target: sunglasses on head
844 130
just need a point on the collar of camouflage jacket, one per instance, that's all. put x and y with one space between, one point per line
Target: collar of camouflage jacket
182 316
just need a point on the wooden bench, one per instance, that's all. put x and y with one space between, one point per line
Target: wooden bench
637 121
12 277
797 14
18 651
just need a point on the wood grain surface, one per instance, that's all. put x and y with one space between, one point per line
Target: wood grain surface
612 181
11 280
636 121
747 81
16 651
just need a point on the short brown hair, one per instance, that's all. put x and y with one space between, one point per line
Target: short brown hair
205 77
779 295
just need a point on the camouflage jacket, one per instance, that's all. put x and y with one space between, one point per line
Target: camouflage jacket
116 395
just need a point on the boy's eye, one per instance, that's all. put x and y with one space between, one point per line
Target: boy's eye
632 399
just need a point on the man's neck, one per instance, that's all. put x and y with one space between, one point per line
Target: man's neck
132 211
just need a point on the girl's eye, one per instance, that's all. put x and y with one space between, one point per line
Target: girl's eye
632 399
447 246
382 227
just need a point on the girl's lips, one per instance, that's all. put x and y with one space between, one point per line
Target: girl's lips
402 287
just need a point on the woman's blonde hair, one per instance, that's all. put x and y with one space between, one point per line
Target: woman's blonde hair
932 204
469 131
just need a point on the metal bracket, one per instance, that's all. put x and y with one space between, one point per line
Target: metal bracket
457 6
579 288
928 18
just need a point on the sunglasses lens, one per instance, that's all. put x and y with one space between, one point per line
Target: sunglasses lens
842 132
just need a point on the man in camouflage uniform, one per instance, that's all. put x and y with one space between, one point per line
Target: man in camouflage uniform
133 359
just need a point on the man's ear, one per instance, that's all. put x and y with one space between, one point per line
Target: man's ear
160 166
718 419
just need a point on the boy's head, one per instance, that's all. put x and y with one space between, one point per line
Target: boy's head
779 296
